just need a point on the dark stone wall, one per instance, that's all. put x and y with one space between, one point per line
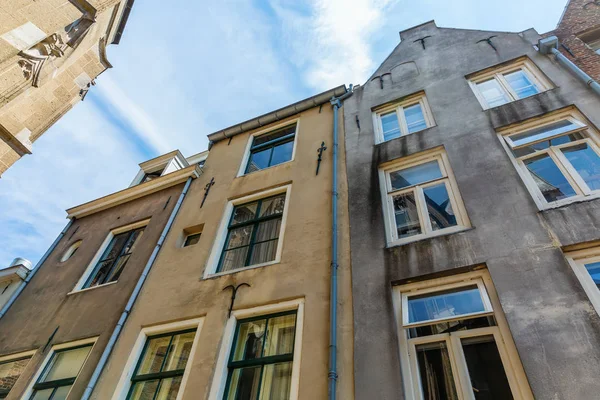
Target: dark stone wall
554 326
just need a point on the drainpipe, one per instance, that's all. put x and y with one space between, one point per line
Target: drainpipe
136 291
549 45
34 270
332 375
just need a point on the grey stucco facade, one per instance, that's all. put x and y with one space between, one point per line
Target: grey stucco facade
554 326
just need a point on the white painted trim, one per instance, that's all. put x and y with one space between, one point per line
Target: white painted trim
439 155
220 237
399 106
124 383
502 336
28 392
271 128
577 261
16 356
92 264
220 378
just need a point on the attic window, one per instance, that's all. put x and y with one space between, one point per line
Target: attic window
149 176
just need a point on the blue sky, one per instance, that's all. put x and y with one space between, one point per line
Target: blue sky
194 67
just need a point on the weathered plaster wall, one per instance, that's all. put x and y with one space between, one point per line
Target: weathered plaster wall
45 303
176 290
554 326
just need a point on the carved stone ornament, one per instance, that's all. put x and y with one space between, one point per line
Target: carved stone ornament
33 59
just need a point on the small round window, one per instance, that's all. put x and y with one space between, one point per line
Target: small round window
70 251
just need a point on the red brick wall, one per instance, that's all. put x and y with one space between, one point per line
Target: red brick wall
580 17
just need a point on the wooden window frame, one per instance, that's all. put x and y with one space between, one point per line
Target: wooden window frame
528 67
398 107
387 193
591 137
501 333
577 260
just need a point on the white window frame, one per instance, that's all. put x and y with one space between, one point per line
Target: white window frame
399 106
124 384
271 128
29 391
577 261
69 252
532 72
217 248
595 45
90 268
501 333
387 193
572 176
220 378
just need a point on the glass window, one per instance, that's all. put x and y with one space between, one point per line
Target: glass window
161 366
493 93
437 379
445 304
271 149
115 257
415 119
521 84
407 117
593 269
421 201
253 233
260 364
150 176
191 240
60 373
559 157
10 371
391 126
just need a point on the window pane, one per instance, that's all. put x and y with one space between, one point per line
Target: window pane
143 390
264 252
61 393
282 153
259 160
486 371
181 347
191 240
586 162
557 141
276 381
406 215
154 355
133 240
445 304
390 126
272 136
244 213
115 246
556 128
234 259
280 335
439 207
244 384
415 118
169 388
493 93
437 380
239 236
594 270
10 372
102 271
66 364
268 230
548 178
521 84
414 175
116 272
249 342
451 326
42 394
272 206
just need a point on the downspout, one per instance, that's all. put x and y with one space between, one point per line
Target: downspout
332 375
549 45
134 295
24 283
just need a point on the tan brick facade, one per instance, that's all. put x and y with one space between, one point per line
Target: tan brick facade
579 26
50 52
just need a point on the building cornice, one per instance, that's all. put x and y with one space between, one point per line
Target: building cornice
9 273
134 192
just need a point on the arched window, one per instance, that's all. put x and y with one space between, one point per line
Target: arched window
70 251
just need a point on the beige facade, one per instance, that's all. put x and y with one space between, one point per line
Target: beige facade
50 53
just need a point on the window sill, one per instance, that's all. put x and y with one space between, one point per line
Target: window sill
264 169
403 136
218 274
569 201
418 238
90 288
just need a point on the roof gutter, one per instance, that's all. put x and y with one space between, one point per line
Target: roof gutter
277 115
123 22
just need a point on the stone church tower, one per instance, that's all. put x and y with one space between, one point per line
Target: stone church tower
50 53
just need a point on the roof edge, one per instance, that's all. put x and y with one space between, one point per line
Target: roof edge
277 115
122 22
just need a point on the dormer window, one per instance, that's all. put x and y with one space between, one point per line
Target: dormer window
149 176
160 166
